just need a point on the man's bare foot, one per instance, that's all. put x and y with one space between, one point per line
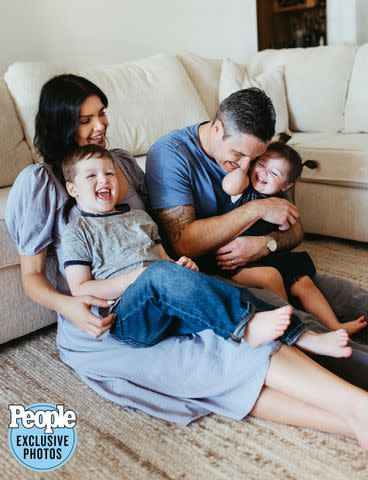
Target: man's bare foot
333 344
267 326
354 326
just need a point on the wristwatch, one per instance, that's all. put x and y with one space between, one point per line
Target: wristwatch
271 244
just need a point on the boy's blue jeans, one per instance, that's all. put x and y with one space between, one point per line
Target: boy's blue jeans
168 300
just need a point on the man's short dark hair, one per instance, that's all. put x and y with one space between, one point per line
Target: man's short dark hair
248 111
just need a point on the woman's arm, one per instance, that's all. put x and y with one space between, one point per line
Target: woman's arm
81 283
37 287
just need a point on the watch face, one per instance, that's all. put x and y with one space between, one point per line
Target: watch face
272 245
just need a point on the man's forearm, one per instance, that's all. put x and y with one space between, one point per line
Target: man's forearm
193 238
288 239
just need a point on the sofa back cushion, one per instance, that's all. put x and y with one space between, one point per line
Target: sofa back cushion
205 75
14 151
147 98
356 111
235 77
316 81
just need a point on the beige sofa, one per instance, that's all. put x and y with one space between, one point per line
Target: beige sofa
326 102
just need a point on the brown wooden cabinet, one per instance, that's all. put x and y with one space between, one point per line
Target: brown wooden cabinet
291 23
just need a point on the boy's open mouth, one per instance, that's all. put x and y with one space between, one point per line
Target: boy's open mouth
104 193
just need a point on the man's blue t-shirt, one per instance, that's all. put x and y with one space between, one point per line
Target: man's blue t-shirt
179 172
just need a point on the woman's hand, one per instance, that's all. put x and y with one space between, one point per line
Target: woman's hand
77 310
188 263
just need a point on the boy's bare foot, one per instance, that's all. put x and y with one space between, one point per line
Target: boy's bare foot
267 326
333 344
354 326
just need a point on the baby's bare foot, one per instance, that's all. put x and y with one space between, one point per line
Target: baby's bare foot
354 326
267 326
333 344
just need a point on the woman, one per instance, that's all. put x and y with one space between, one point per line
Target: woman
181 378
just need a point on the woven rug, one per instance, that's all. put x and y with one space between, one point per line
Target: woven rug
117 444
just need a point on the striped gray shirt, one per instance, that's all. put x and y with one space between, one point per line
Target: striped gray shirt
111 244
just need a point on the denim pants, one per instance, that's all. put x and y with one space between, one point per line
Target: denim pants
169 300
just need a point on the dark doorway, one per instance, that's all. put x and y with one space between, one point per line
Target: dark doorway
291 23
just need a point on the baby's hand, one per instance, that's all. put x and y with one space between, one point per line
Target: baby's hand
188 263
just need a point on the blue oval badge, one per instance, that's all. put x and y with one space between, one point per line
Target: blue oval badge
43 436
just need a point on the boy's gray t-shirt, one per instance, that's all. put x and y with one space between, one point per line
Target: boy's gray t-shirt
111 244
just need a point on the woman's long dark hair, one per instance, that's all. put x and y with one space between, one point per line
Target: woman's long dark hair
57 119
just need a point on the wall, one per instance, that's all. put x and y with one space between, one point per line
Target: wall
107 31
341 22
362 21
347 22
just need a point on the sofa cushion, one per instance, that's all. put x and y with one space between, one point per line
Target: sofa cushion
316 81
205 75
342 157
235 77
356 116
20 315
14 152
8 251
333 210
4 192
147 98
141 160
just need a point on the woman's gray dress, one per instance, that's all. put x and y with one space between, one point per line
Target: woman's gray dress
179 379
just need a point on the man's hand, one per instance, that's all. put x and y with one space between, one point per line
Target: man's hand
241 251
279 211
188 263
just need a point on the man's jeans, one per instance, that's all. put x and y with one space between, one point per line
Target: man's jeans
167 300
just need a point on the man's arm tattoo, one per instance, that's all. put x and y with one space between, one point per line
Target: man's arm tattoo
172 221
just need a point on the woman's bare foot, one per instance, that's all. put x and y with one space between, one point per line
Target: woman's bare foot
354 326
333 344
267 326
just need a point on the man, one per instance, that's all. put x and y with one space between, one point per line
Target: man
184 175
193 162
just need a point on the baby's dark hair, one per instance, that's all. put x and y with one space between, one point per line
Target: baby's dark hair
68 167
280 149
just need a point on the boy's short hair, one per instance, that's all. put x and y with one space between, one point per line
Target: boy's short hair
82 153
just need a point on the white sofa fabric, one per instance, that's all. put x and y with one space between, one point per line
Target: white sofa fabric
152 96
356 116
14 151
316 81
235 77
135 90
